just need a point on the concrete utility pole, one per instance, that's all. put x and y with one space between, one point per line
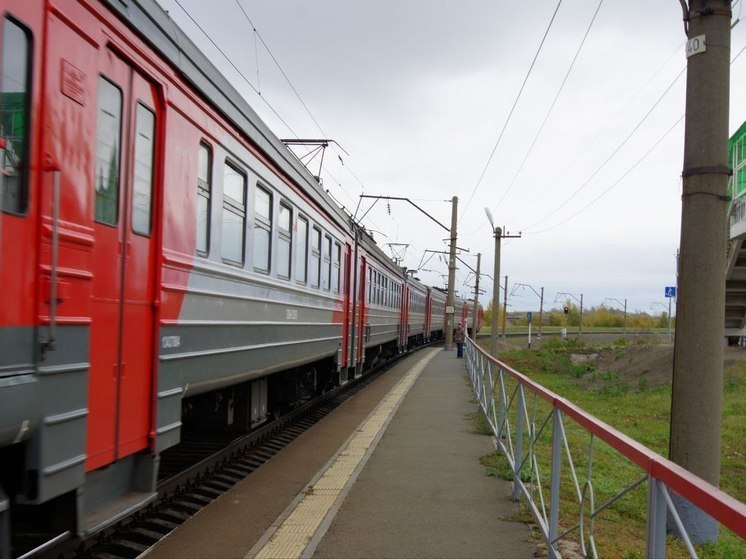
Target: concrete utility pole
475 314
498 233
451 300
495 293
696 407
505 305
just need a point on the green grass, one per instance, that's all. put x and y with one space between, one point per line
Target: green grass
640 412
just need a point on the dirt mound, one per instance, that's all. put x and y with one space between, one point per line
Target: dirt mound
636 366
641 365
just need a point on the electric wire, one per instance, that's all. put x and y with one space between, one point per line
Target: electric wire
528 230
209 38
297 94
512 110
611 156
551 108
279 67
517 215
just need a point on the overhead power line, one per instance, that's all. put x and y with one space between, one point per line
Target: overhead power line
279 67
512 109
251 85
300 99
528 229
551 107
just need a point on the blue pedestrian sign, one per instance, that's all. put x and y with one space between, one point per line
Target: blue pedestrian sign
670 291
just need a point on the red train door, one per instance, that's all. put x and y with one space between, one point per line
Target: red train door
347 292
404 319
362 300
123 286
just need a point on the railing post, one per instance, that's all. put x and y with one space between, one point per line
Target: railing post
656 529
518 456
501 405
554 481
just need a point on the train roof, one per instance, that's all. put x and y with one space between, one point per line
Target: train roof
153 24
369 244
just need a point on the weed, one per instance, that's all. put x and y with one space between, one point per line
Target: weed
579 370
479 423
554 343
497 466
575 343
734 376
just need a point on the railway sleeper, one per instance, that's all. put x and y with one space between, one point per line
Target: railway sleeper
186 505
140 536
172 515
127 547
162 523
147 533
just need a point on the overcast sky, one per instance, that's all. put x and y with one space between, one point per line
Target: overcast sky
419 93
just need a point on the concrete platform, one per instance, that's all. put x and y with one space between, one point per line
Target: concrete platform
394 472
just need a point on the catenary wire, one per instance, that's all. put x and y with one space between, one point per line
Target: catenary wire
611 156
551 108
528 230
677 50
546 117
297 94
512 110
209 38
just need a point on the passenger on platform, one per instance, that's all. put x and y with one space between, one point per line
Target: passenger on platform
458 337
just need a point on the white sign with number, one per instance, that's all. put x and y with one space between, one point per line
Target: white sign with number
696 45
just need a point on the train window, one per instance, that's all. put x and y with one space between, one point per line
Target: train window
262 229
108 152
15 102
234 215
336 258
301 255
327 276
284 240
142 188
204 193
315 256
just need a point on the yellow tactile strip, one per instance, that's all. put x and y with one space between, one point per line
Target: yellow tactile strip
295 529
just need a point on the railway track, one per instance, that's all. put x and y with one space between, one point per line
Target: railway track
198 471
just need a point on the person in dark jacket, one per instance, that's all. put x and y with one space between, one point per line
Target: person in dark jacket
458 337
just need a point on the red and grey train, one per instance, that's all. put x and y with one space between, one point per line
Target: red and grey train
165 259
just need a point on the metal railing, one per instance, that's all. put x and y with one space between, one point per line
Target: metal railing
549 444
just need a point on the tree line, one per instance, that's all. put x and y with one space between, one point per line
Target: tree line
593 317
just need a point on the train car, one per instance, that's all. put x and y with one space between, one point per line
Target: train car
465 314
415 313
436 304
167 264
383 296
